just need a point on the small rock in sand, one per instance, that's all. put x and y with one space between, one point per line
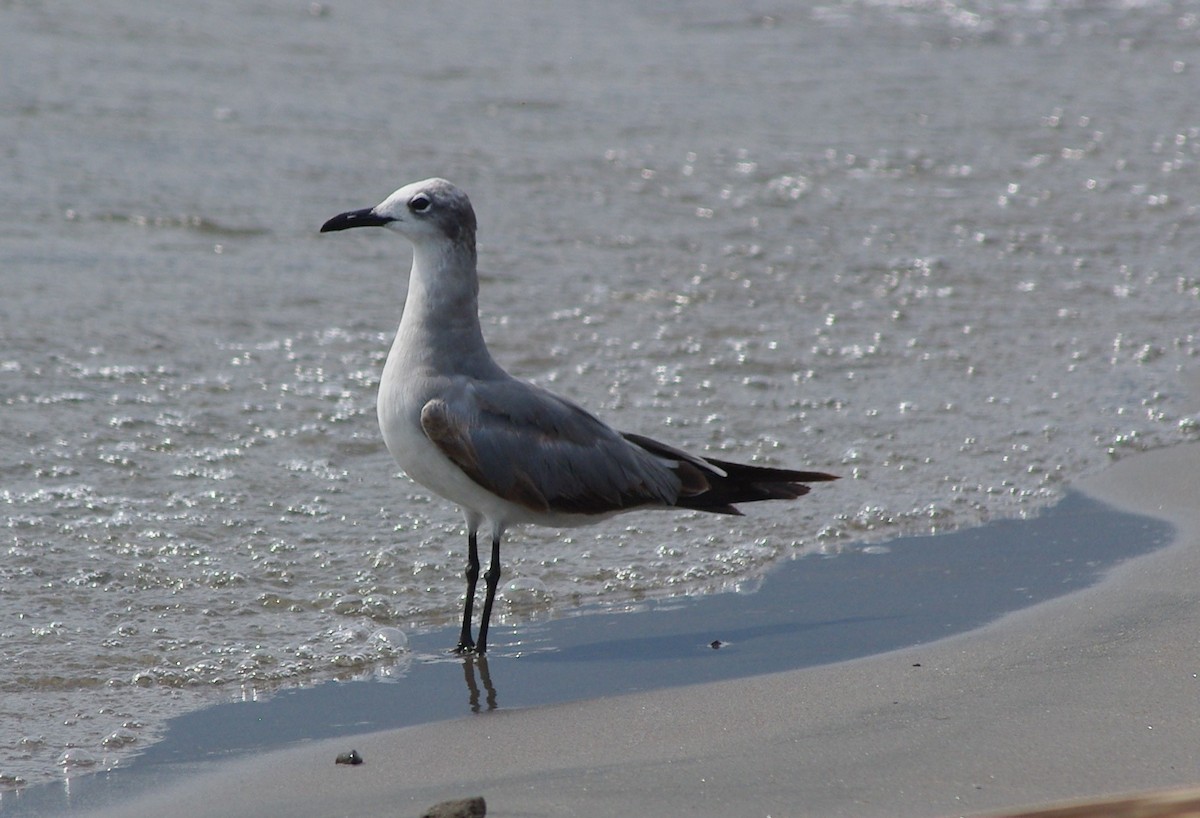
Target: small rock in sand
351 757
458 808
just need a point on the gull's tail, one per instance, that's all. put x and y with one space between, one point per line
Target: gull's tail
748 484
718 485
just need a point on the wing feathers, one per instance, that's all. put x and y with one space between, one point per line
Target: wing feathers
548 455
545 454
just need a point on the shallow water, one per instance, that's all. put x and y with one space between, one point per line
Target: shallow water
945 250
804 613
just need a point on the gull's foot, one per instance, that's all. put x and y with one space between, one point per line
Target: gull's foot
465 648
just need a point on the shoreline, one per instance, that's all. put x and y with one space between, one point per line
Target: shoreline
1074 696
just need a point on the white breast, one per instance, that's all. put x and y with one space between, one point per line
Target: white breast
399 407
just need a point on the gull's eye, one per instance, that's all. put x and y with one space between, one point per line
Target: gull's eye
419 203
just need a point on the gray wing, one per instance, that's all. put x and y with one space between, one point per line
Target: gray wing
542 452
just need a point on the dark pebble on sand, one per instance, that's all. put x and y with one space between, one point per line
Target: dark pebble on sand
459 808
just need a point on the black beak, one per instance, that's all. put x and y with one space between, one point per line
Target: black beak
355 218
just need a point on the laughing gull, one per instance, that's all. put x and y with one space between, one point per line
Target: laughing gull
504 450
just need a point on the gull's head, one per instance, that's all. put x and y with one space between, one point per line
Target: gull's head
430 211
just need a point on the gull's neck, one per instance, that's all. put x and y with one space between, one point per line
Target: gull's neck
439 329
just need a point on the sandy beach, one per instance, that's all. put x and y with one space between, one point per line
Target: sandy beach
1090 694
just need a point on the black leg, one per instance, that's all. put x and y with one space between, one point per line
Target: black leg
492 578
465 642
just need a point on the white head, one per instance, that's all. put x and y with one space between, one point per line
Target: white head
430 211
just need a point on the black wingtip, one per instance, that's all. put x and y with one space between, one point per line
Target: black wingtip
816 477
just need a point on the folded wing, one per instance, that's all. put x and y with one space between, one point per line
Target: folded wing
539 451
549 455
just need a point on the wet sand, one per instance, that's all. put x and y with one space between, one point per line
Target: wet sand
1091 693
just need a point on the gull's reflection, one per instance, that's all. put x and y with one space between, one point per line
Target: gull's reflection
471 664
